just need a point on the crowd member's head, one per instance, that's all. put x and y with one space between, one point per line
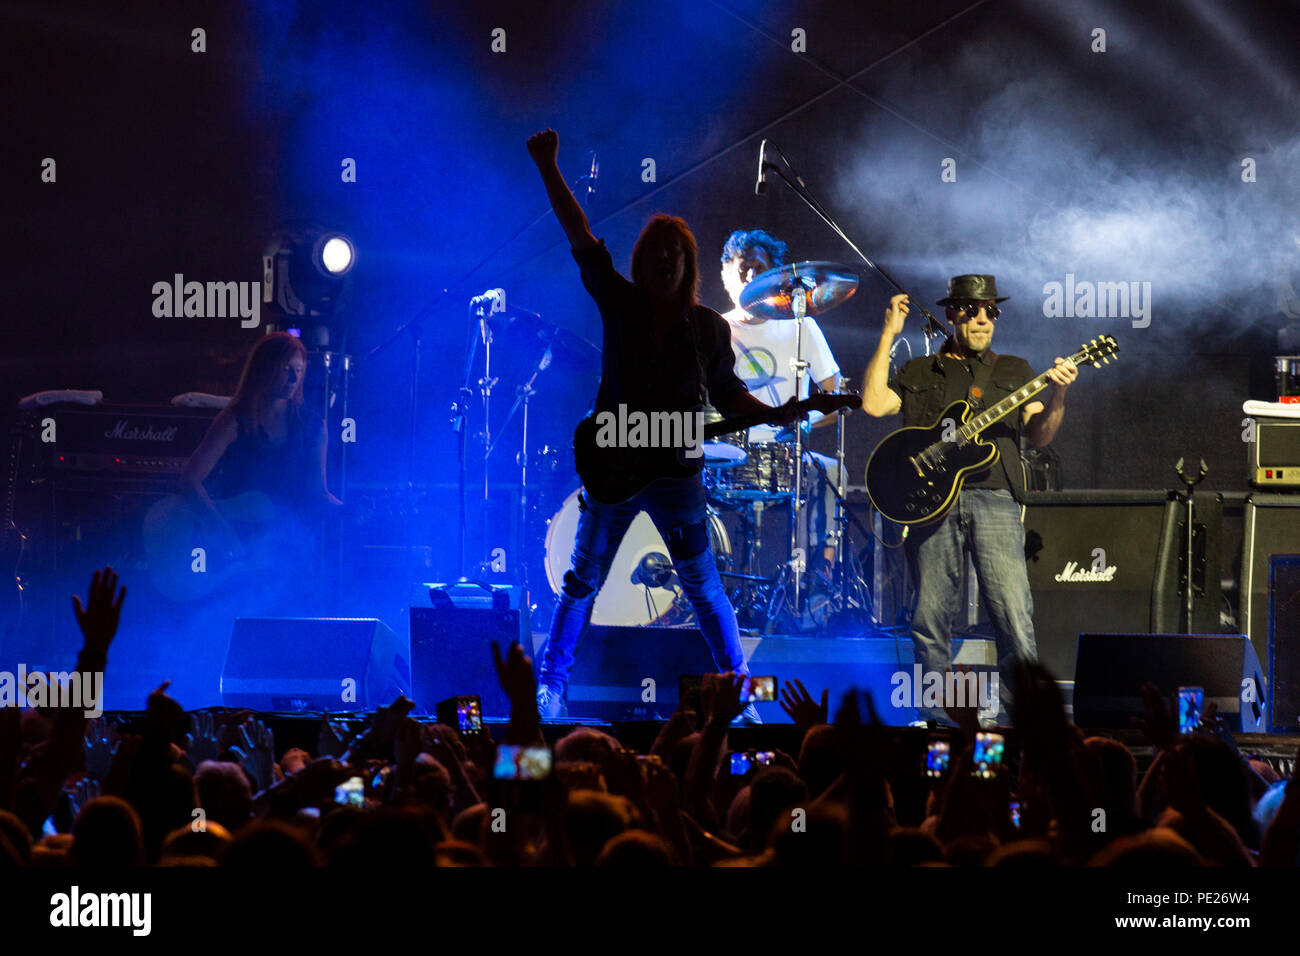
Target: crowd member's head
969 850
459 853
586 745
664 263
772 794
591 820
1024 854
224 793
823 844
1154 849
1206 770
269 845
1116 783
17 837
909 846
635 850
745 254
386 837
107 834
433 787
211 841
820 759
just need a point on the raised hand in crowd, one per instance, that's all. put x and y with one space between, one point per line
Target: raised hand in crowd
256 752
100 743
801 708
98 618
201 742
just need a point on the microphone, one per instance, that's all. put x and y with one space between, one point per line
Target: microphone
760 187
488 297
592 173
654 570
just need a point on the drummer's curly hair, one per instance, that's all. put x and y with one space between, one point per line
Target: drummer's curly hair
661 222
743 239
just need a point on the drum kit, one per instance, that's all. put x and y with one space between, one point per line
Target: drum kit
744 478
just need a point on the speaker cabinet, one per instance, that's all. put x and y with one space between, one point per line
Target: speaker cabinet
324 664
452 627
1113 667
613 664
1284 642
1271 530
1113 561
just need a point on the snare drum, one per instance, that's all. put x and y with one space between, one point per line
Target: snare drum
766 474
620 602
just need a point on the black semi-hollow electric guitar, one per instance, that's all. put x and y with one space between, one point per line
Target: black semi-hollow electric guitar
915 474
614 465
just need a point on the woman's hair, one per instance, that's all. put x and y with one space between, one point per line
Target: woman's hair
255 383
662 223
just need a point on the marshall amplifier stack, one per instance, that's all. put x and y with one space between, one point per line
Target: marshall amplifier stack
85 474
1111 561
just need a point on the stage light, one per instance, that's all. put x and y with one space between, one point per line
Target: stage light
305 269
335 254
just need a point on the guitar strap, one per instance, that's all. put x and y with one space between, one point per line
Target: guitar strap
979 385
700 376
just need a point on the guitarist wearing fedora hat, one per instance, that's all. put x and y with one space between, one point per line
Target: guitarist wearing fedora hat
984 521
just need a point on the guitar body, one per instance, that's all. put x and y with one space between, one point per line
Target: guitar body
172 532
611 474
914 476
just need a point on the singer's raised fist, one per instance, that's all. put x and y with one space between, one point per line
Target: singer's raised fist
543 146
895 314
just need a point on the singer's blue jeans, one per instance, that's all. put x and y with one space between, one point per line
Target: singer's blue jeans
678 509
986 524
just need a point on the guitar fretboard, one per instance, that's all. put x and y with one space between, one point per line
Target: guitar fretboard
1013 401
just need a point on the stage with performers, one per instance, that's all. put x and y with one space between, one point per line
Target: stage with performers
893 409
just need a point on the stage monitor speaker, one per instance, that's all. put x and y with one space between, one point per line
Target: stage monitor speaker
613 665
1113 667
1111 561
452 627
321 663
1284 643
1271 529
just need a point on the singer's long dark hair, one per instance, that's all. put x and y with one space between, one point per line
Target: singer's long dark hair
689 292
254 392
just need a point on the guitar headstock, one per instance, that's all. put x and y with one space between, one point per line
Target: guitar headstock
1097 352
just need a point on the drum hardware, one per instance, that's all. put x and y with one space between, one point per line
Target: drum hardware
791 293
641 587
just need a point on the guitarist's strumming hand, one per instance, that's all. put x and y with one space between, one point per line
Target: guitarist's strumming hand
895 315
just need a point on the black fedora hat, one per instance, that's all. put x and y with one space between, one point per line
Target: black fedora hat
977 287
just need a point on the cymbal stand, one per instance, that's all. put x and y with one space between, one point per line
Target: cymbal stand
798 561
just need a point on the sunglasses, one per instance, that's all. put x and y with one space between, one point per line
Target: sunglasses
972 309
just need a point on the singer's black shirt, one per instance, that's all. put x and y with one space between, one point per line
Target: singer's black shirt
929 384
695 355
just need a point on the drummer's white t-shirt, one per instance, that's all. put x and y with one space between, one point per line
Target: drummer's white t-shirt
764 351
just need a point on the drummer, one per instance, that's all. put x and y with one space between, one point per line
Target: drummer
764 350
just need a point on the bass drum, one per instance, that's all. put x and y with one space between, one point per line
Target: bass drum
620 601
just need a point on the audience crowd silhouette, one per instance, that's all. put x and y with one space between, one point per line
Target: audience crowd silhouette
210 789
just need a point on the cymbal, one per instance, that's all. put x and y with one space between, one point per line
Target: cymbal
770 295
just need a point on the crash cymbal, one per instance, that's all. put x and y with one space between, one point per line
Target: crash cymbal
770 295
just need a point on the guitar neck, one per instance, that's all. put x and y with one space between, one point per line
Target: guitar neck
826 404
740 422
1009 404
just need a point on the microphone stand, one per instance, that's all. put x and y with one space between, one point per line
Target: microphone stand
932 328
